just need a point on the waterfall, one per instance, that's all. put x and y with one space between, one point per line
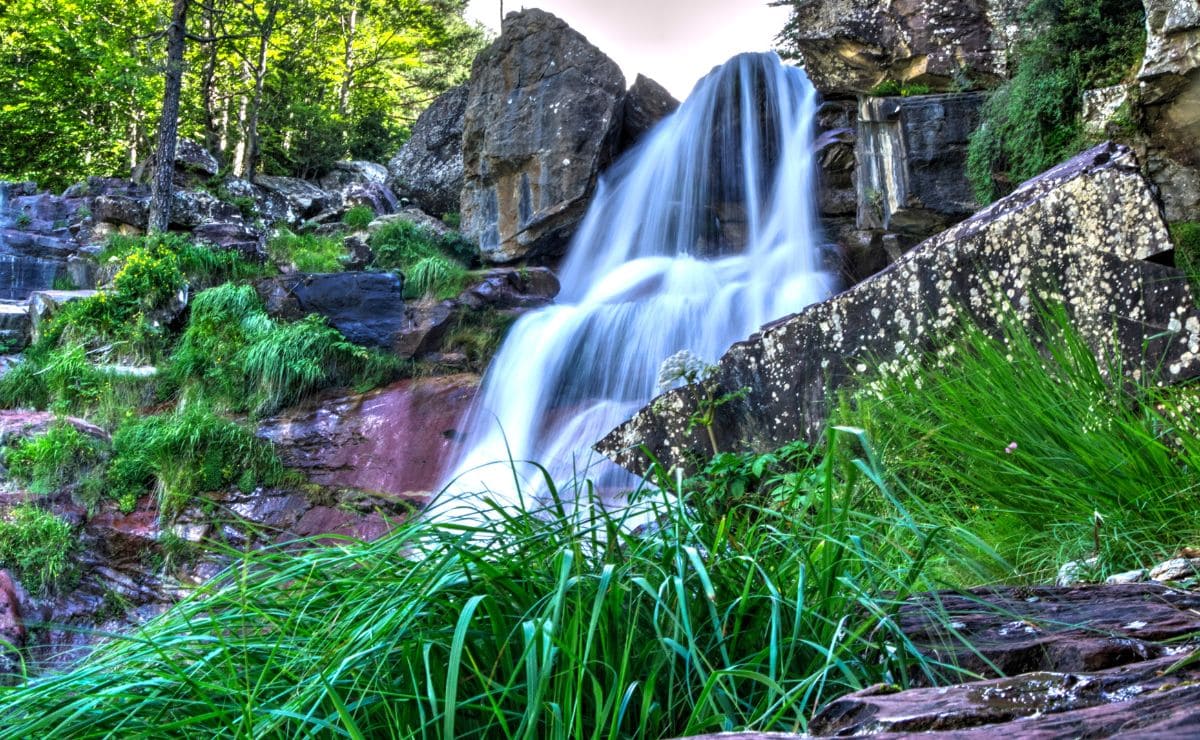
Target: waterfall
699 235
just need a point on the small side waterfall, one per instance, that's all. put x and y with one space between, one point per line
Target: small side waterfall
704 232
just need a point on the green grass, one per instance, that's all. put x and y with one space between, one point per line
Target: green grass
1021 439
185 453
308 252
37 546
358 217
1031 122
58 457
532 626
432 265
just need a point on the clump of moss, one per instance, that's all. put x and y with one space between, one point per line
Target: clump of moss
37 547
1031 123
358 217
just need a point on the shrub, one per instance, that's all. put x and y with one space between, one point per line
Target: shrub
37 546
307 252
1030 123
185 453
358 217
49 461
437 276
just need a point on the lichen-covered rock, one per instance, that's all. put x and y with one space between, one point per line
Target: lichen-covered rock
1083 229
194 165
543 118
850 46
428 169
912 156
367 307
290 199
351 171
646 103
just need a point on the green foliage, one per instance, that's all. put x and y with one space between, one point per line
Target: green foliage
478 334
750 483
185 453
64 282
57 458
1031 123
37 546
307 252
537 624
890 87
1022 438
296 359
1186 236
431 264
437 276
234 353
358 217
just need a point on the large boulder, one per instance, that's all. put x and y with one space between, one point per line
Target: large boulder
850 46
394 440
351 171
194 165
290 200
543 118
428 169
1085 228
367 307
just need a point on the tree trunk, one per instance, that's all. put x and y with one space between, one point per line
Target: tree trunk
260 76
162 186
348 63
208 83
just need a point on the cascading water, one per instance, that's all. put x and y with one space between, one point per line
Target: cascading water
696 238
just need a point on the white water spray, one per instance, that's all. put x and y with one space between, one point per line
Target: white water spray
704 232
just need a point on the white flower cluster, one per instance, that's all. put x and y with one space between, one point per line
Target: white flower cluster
686 366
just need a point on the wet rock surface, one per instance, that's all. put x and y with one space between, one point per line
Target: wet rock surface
543 117
1080 233
395 440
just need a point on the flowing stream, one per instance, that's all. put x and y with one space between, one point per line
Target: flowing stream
698 236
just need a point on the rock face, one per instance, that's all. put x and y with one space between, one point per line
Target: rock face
368 307
543 118
394 440
646 103
428 169
1082 230
1169 88
849 46
911 156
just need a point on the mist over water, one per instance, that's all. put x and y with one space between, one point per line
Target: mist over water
704 232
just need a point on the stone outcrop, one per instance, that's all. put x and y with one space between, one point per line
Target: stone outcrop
428 169
1169 92
394 440
1080 232
543 118
367 307
911 162
646 103
850 46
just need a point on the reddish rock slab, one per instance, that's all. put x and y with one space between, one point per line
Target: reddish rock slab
394 440
31 423
12 629
1048 628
